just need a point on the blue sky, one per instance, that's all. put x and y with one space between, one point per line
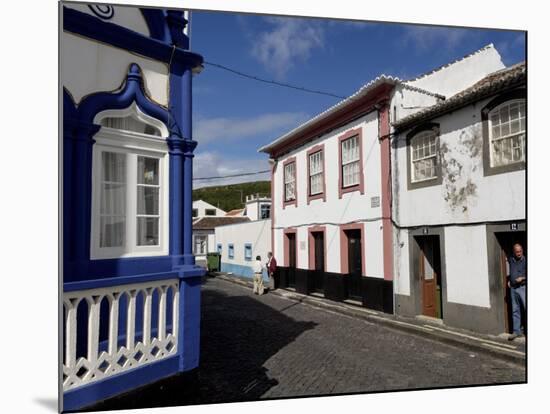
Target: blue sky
234 116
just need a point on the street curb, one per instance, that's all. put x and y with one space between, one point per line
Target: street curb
464 339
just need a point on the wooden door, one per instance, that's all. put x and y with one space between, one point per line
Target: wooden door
319 250
355 264
291 259
428 277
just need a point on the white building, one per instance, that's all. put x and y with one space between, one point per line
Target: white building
333 231
240 243
459 201
203 209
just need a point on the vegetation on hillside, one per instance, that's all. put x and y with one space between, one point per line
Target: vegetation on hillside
230 197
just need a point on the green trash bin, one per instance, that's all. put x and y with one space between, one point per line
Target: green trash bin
213 261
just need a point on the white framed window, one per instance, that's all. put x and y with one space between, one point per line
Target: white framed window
507 133
316 173
129 186
424 156
290 181
351 170
201 245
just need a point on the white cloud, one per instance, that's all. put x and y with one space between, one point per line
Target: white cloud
215 164
289 40
427 37
225 128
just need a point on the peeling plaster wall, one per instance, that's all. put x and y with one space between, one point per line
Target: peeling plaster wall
465 194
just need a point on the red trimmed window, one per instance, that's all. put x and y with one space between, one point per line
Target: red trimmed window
351 162
316 173
289 177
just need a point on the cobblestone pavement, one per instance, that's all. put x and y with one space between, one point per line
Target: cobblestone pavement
261 347
256 347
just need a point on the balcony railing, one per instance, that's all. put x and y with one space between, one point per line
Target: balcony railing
134 344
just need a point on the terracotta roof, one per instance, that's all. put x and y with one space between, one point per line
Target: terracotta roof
208 223
507 78
233 213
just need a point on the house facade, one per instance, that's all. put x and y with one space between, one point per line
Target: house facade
130 283
338 191
459 201
240 243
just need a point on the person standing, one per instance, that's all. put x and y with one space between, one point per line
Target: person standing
517 281
258 288
271 266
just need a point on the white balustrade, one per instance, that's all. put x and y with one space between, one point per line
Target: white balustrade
152 347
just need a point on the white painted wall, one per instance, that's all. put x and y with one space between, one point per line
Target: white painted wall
459 75
496 197
352 207
466 265
201 206
129 17
257 233
402 279
253 206
88 67
210 244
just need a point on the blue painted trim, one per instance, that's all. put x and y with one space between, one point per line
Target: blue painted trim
103 11
92 27
116 281
88 394
156 22
131 92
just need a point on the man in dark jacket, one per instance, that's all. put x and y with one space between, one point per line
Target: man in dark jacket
517 280
271 266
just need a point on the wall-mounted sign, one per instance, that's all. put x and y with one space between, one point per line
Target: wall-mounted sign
302 245
375 201
513 226
425 230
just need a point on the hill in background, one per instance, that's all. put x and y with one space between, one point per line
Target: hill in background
228 197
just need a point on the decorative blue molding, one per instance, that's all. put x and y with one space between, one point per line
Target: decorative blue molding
177 23
156 22
103 11
131 92
92 27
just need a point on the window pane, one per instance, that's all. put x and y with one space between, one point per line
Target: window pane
112 231
148 170
148 200
147 231
113 199
113 166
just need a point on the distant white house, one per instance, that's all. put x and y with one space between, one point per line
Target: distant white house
203 209
240 243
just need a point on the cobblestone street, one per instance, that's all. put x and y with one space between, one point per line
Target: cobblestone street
261 347
267 347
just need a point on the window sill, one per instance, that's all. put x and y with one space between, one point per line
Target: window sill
351 189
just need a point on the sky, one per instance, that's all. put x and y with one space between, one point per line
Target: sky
234 116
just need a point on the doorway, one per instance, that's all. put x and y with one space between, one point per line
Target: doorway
355 264
318 261
429 275
506 241
291 240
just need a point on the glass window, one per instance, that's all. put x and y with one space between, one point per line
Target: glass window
112 213
219 248
424 156
316 173
507 133
265 211
230 251
351 169
195 212
210 212
290 181
201 244
129 123
248 252
148 202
